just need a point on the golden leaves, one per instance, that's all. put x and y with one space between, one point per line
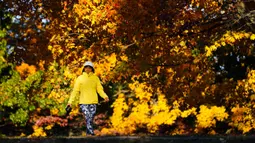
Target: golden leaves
141 90
183 43
230 38
242 118
68 74
248 84
54 111
209 5
106 65
124 58
207 116
252 37
97 12
188 112
41 64
119 108
75 38
49 127
38 132
87 18
151 115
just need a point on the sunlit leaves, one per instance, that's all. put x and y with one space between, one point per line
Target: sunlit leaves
25 70
16 93
153 54
252 37
86 23
207 116
151 115
20 117
228 38
242 118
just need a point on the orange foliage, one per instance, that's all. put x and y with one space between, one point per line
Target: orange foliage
25 70
162 52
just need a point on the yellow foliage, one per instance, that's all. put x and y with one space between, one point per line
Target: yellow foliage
207 116
140 92
182 43
249 83
252 37
75 111
124 58
59 97
97 12
38 132
119 108
22 135
41 64
68 74
188 112
105 66
54 111
242 119
144 112
228 38
48 127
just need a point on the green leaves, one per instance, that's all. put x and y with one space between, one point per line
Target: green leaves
195 52
19 117
2 33
17 95
31 107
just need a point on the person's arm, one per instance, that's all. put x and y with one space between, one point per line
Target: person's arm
75 92
100 90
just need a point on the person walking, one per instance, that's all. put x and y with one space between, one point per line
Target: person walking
86 87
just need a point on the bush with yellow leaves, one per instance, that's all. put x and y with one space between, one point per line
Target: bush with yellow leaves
144 112
207 116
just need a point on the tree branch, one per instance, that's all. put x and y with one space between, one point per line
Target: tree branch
172 65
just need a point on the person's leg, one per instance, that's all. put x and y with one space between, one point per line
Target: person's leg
92 112
89 111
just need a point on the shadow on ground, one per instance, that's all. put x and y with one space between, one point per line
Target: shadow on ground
135 139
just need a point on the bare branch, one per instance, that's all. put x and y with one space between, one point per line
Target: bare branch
121 91
124 47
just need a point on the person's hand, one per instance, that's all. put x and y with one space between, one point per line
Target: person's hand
68 109
106 99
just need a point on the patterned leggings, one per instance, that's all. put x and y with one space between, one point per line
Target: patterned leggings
89 111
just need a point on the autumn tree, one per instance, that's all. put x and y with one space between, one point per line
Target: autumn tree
170 67
170 48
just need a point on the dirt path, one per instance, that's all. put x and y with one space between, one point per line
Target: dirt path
135 139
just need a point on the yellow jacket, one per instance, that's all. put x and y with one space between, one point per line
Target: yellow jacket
86 87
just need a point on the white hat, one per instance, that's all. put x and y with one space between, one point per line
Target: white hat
89 63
